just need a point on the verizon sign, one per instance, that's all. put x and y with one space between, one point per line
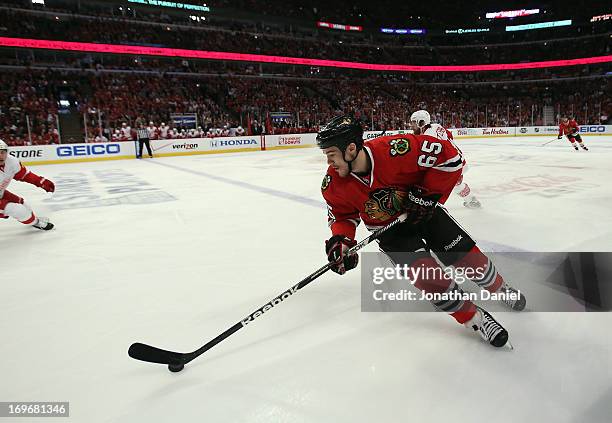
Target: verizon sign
512 13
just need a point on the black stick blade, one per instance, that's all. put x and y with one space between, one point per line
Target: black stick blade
151 354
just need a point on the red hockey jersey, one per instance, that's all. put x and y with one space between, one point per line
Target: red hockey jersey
398 162
570 128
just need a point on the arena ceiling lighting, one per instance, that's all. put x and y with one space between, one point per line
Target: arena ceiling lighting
342 27
538 25
466 30
172 4
601 18
512 13
417 31
244 57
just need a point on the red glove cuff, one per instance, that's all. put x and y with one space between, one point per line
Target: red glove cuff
30 178
345 228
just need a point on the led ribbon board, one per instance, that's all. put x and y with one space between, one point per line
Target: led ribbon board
245 57
538 25
512 13
172 4
339 26
418 31
466 31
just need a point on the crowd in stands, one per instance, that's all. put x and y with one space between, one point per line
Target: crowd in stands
157 97
110 103
28 103
24 24
389 12
268 16
161 131
114 94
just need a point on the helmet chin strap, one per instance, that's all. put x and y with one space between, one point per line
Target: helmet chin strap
350 163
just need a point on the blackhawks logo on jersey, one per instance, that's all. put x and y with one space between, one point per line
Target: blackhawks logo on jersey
325 183
384 203
399 146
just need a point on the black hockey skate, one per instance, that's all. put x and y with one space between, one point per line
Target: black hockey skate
515 304
488 328
43 224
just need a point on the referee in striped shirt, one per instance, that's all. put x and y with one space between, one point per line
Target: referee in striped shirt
143 140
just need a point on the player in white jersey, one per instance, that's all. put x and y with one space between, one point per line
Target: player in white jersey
420 122
126 132
163 131
152 130
12 205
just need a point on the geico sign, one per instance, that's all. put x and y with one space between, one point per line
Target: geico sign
232 143
594 128
26 153
88 150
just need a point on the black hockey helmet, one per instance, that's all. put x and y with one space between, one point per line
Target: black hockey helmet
340 132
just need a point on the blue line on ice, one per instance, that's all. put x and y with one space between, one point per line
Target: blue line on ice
276 193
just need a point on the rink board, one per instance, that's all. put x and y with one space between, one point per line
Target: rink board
75 153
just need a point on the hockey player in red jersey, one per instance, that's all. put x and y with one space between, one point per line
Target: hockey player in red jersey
380 179
569 128
420 123
12 205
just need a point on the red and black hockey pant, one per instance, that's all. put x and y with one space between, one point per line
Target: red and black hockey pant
573 137
442 236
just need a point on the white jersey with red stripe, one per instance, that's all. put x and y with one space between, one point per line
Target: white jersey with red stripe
441 133
11 167
437 131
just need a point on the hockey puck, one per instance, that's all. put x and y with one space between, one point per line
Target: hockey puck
176 367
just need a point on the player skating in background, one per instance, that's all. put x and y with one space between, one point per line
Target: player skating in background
378 180
420 123
12 205
569 128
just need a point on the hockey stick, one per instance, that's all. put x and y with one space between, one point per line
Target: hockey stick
548 142
176 361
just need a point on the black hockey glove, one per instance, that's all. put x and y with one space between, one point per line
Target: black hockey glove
419 206
559 137
336 248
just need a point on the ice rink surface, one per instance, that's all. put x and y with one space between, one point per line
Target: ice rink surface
172 251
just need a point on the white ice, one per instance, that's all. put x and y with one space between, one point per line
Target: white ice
172 251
